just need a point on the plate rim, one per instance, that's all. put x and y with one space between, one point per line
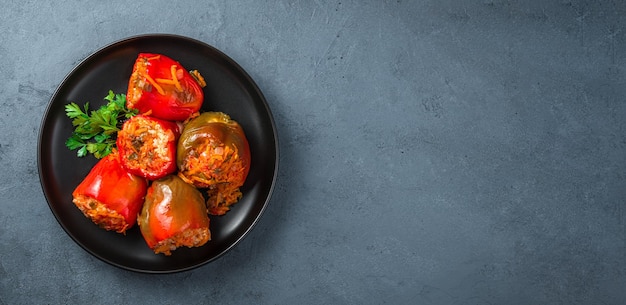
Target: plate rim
117 43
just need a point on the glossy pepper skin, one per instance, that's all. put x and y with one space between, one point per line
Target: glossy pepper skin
213 152
219 130
113 188
147 146
174 214
161 86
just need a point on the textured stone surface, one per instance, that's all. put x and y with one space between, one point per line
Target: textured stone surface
432 152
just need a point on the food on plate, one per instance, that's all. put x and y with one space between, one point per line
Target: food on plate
110 196
213 153
147 146
174 215
94 131
161 86
157 153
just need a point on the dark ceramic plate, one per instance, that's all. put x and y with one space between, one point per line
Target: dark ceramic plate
229 89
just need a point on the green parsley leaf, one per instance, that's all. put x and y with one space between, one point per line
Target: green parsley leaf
95 131
101 138
82 152
74 143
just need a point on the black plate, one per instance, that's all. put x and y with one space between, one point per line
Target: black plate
229 89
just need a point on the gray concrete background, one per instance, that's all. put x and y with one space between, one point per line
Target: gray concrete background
432 152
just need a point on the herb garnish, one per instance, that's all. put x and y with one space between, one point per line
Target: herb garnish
96 131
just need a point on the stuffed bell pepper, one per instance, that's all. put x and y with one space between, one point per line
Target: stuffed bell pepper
110 196
161 86
174 215
147 146
213 153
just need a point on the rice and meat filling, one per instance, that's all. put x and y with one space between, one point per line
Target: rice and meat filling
215 166
148 141
190 238
100 214
148 146
213 153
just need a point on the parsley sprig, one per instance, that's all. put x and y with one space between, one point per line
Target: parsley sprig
95 132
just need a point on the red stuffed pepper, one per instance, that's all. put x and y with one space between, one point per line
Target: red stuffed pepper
110 196
147 146
213 153
174 215
161 86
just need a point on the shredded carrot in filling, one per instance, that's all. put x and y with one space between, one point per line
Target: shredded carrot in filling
171 81
219 168
164 81
153 57
154 84
146 145
175 78
198 78
221 197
